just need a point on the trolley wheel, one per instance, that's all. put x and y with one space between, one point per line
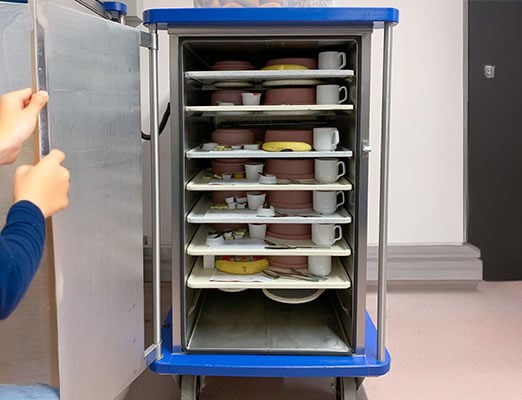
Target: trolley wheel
345 388
190 387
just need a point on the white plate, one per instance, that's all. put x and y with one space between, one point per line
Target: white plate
293 296
292 112
232 290
233 84
292 82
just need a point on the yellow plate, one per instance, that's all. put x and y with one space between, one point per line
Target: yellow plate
281 67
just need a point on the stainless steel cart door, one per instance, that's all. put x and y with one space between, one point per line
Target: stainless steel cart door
90 66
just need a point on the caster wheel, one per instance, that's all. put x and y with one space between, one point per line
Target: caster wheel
189 387
345 388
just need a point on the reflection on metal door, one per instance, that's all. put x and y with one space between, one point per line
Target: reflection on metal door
90 66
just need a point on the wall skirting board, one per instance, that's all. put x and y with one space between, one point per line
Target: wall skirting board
429 263
407 262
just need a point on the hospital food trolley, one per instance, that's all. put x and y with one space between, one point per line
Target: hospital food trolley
211 331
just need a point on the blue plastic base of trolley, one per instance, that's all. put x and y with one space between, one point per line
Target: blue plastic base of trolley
269 365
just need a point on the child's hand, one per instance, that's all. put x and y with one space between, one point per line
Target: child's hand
18 114
45 184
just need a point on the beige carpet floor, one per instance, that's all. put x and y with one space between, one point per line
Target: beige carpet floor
447 341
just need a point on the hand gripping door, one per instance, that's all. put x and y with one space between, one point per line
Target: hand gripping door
90 66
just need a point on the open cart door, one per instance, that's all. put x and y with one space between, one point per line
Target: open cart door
90 67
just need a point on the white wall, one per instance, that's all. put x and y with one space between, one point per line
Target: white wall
426 162
426 156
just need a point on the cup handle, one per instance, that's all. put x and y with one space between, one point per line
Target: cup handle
343 169
342 57
335 138
345 97
338 230
342 199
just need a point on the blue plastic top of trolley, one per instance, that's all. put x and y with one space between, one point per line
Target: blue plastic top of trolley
283 16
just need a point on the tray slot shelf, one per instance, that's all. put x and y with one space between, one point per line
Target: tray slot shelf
270 110
203 182
196 152
248 247
259 76
202 278
202 214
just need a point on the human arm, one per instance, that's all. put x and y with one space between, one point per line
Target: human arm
18 113
39 192
21 247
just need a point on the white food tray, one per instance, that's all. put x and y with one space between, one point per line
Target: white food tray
201 183
202 278
197 152
283 109
202 214
258 76
250 247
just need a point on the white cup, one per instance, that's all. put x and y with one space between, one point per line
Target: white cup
257 231
326 139
328 170
325 201
332 60
252 171
331 94
255 200
251 99
320 265
325 235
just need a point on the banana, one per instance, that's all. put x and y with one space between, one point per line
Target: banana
286 146
242 267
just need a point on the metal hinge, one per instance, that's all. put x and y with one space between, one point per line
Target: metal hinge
148 40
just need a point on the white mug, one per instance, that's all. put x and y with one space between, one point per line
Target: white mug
325 201
257 231
320 265
328 170
331 94
252 171
326 139
332 60
325 235
255 200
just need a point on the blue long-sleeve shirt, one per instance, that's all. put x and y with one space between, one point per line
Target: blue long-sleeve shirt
21 247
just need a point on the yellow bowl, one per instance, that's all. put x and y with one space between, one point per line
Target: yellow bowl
281 67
